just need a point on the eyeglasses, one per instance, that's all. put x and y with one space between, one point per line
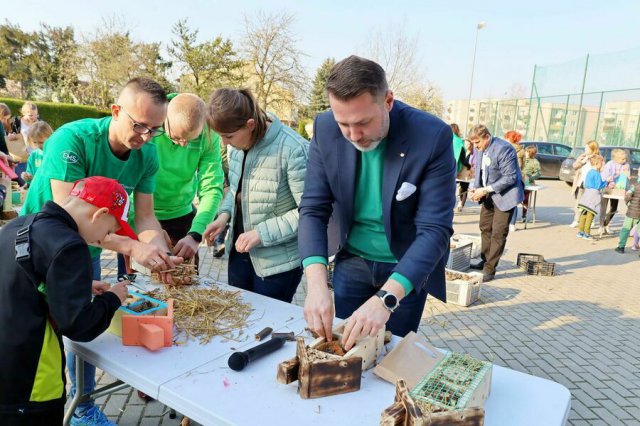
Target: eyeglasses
171 137
141 129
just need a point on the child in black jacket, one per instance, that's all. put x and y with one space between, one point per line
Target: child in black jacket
46 292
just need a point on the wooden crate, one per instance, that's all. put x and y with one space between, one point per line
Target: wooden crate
320 373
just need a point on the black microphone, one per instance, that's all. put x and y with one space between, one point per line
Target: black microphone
239 360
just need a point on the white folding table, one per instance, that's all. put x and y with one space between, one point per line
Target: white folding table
195 380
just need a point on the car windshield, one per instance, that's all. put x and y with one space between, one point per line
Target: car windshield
635 157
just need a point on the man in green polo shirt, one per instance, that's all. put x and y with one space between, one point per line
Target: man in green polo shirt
114 147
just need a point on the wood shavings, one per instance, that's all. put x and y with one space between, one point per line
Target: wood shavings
204 313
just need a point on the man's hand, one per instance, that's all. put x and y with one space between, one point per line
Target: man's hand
12 136
120 290
215 228
247 241
99 287
479 194
367 320
186 247
318 306
154 258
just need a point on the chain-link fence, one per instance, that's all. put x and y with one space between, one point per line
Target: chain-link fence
601 102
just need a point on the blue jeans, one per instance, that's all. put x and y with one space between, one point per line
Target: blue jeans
281 286
89 370
356 279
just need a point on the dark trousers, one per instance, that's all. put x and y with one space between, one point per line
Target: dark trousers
177 229
356 279
464 191
494 228
613 209
281 286
48 417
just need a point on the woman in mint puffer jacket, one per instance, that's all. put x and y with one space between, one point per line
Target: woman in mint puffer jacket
267 166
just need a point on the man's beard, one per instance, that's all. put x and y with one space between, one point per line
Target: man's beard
372 146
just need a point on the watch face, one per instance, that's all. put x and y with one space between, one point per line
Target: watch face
390 301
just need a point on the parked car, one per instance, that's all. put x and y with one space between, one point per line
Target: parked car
550 155
567 172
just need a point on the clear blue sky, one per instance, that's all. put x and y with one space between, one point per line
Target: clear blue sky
518 35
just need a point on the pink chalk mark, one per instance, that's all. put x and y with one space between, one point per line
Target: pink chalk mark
226 382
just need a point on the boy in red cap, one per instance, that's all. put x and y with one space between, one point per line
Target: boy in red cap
46 293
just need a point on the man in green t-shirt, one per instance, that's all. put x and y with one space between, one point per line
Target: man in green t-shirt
114 147
190 165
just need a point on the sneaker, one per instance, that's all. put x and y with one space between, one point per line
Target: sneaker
635 248
619 250
92 417
587 237
607 230
524 219
574 224
580 234
512 228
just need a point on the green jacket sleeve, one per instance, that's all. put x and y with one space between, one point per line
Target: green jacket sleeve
282 228
210 179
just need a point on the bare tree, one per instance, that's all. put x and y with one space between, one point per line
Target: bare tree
395 51
269 46
426 97
517 91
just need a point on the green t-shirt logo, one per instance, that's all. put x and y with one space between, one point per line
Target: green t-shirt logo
69 157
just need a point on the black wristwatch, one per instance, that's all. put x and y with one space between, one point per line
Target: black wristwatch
195 236
389 300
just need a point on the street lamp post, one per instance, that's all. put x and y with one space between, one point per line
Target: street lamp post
480 26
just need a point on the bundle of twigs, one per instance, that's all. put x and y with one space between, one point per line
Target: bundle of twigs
183 274
204 313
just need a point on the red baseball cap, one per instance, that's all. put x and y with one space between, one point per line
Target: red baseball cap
104 192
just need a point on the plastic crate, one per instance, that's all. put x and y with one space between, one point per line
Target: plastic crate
476 243
463 291
534 264
459 256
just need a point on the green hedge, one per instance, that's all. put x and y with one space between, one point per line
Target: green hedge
57 114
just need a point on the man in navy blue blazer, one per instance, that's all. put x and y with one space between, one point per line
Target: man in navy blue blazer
388 170
498 187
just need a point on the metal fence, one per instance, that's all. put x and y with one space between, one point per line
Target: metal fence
601 102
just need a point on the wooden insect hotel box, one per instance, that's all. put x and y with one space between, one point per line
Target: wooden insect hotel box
323 368
144 321
434 388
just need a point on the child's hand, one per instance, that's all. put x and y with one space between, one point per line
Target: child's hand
120 290
26 176
99 287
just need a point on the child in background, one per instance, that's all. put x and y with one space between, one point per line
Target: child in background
530 172
616 173
38 134
632 198
591 198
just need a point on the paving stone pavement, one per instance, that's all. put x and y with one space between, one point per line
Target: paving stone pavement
580 328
